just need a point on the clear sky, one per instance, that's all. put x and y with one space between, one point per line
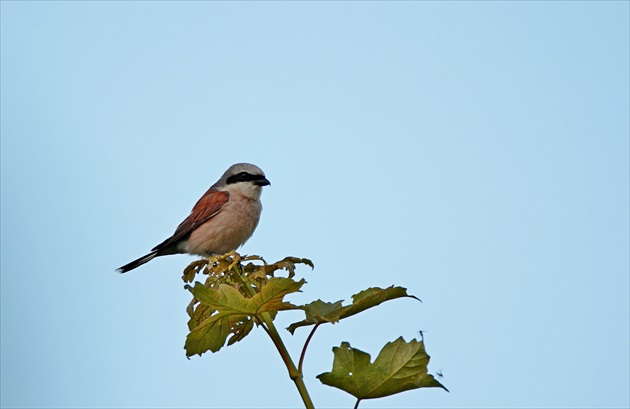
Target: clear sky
475 153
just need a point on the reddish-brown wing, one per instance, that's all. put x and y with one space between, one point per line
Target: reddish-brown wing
207 207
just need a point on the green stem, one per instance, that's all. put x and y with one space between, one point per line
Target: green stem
294 373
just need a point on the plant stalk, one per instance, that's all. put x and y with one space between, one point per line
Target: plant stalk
306 346
294 374
267 324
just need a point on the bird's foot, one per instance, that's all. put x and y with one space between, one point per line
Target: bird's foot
236 258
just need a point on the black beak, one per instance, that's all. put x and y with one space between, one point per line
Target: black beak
262 182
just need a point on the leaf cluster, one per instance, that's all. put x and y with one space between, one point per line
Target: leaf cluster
238 293
234 296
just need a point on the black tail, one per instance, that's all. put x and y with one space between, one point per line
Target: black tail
138 262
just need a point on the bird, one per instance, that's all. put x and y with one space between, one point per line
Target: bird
221 221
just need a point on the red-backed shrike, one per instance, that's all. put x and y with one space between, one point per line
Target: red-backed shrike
221 221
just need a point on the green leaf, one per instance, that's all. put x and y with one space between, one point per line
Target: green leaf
400 366
211 334
199 315
229 300
240 330
319 311
225 310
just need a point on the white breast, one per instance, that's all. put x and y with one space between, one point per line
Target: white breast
232 226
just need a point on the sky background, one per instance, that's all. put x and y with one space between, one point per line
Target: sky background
475 153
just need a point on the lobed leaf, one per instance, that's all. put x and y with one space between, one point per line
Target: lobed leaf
212 333
225 311
240 330
199 314
227 299
400 366
319 311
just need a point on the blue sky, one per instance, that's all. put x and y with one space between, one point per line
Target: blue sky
475 153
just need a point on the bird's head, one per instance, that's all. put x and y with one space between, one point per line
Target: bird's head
244 178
